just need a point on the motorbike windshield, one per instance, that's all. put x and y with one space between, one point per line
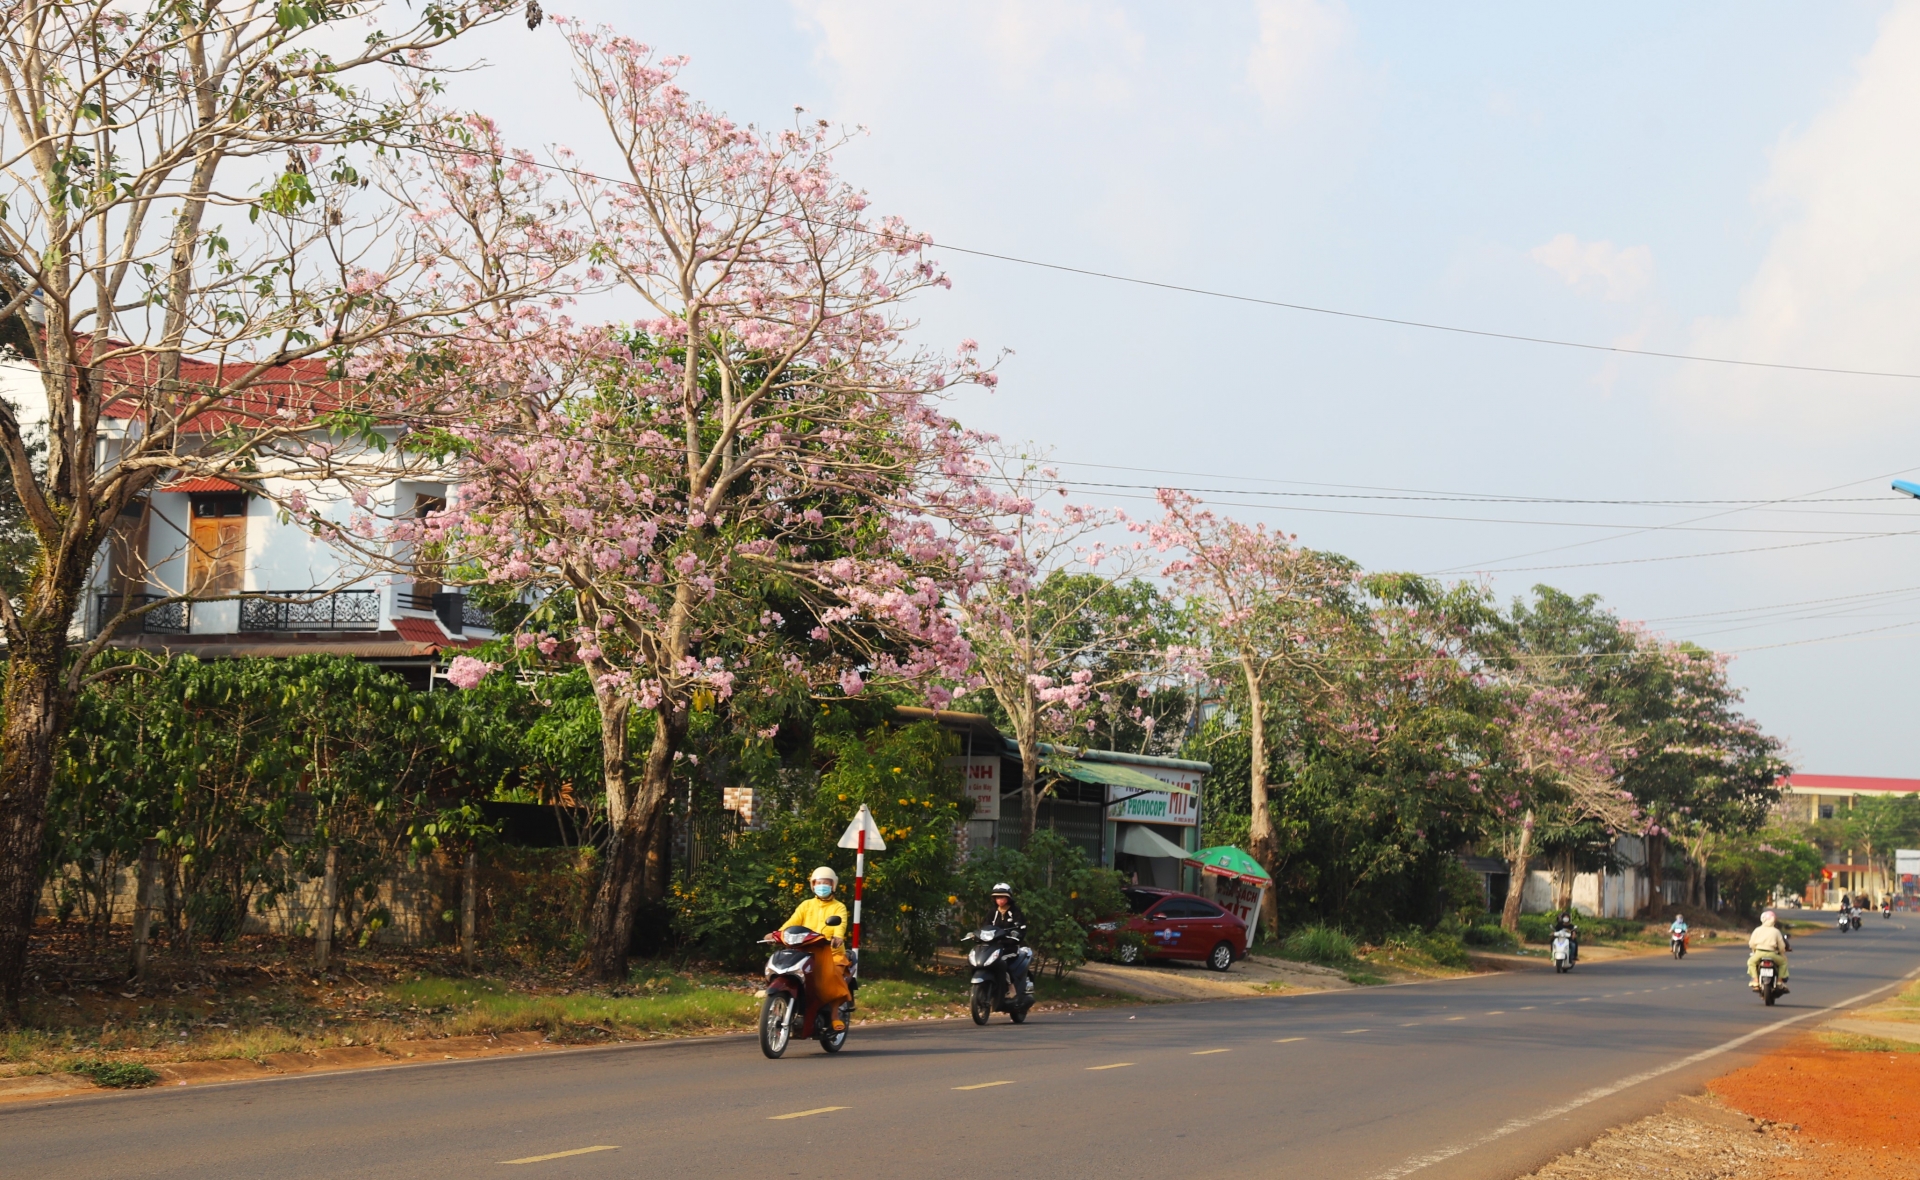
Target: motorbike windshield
989 933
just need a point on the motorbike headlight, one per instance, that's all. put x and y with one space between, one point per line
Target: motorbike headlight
795 937
992 959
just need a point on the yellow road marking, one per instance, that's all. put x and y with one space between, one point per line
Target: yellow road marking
982 1085
1456 1018
534 1159
800 1114
1204 1052
1410 1024
1115 1065
1288 1040
1501 1012
1529 1007
1351 1031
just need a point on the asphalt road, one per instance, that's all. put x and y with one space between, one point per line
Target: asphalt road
1483 1077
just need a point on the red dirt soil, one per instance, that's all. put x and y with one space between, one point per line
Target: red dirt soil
1858 1111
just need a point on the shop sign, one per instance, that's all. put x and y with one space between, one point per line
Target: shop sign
1153 807
1241 899
981 780
1906 862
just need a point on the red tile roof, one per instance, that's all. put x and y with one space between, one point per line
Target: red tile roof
205 483
1849 784
420 630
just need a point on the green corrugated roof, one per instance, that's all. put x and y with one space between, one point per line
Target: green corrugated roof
1122 776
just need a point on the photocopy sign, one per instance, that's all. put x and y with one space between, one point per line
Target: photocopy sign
1906 862
1154 807
981 777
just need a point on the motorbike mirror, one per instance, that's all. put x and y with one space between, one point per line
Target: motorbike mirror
834 921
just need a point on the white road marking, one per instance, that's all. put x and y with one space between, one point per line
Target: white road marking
1408 1167
534 1159
800 1114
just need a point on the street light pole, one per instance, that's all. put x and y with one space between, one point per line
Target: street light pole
1908 486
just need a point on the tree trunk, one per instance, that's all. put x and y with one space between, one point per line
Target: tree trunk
1265 848
1517 875
36 715
143 906
623 878
1563 882
323 929
659 873
469 904
1656 871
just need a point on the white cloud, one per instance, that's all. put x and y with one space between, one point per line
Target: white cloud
1299 41
1619 274
1836 285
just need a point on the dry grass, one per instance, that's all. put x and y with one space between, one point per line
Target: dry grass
1693 1139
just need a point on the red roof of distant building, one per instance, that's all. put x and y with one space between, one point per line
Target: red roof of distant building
205 483
280 395
420 631
1848 784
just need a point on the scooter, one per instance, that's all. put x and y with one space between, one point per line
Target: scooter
1563 950
1856 917
791 1007
1767 971
1846 922
993 961
1679 945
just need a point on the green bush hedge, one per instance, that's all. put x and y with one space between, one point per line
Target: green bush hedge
1538 928
1490 937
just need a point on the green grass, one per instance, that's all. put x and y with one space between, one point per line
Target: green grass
666 1003
117 1075
1859 1044
1319 944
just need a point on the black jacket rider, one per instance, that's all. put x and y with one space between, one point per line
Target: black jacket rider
1011 916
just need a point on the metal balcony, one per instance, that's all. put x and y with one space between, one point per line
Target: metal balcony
175 618
311 610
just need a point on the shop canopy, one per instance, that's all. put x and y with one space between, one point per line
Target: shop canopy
1224 860
1141 840
1122 776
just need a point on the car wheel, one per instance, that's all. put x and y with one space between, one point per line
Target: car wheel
1221 956
982 1003
1129 953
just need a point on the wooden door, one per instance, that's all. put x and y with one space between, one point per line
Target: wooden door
217 559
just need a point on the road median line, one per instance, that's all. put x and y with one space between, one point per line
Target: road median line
556 1155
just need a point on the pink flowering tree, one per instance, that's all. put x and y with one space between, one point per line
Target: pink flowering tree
1560 752
1059 634
1267 613
749 490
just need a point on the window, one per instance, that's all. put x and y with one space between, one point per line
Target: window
1139 900
217 549
1826 811
1186 907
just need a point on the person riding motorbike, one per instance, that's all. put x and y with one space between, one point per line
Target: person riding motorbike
829 958
1771 941
1679 926
1564 921
1005 913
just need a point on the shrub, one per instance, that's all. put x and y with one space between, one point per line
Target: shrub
1318 944
1059 891
1490 937
117 1075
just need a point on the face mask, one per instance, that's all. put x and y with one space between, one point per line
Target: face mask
823 890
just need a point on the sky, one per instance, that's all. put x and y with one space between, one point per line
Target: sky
1731 180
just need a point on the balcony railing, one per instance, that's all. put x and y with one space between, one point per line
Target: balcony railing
301 610
175 618
455 612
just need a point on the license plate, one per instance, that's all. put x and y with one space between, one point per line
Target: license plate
1766 973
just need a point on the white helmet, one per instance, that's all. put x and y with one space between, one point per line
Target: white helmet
1003 890
825 872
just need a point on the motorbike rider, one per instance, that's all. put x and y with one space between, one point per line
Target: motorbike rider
1564 921
1769 940
1679 927
1005 913
829 958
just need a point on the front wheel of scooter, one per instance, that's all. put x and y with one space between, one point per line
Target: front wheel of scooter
776 1024
982 1003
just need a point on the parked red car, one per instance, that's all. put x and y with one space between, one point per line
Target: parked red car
1173 925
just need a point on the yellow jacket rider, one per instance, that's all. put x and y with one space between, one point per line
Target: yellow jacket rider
829 959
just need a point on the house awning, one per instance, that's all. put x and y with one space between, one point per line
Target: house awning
1122 776
1141 840
203 483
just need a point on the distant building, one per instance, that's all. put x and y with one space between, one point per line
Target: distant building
1809 798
